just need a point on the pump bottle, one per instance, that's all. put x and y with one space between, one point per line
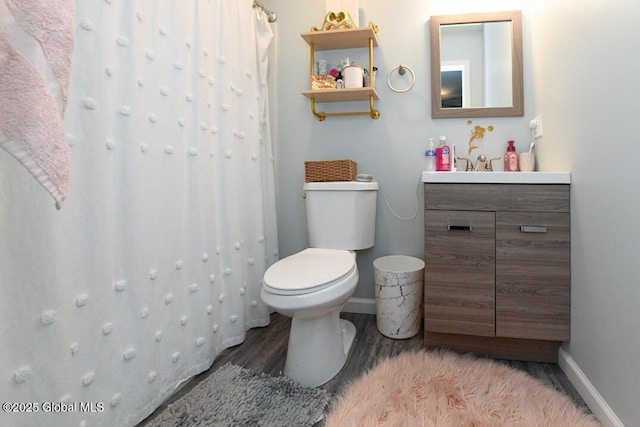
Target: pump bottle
443 156
511 158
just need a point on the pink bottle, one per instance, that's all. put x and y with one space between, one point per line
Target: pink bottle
443 156
511 158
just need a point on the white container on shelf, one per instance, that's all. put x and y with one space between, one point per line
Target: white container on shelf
353 76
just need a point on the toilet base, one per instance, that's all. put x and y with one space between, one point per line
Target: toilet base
348 335
318 348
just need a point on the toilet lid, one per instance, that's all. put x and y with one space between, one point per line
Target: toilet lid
311 268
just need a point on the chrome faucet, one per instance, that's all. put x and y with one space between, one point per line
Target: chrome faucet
469 167
482 164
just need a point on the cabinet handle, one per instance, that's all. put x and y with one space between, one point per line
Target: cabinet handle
459 227
533 229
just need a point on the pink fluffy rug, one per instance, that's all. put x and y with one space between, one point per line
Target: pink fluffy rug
447 389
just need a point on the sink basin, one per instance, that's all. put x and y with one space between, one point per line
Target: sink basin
498 177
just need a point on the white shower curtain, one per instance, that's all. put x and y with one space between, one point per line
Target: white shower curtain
154 264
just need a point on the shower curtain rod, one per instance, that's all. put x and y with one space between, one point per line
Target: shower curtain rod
271 16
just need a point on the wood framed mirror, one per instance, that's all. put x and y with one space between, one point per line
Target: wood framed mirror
476 65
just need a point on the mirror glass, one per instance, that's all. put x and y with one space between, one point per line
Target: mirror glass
476 65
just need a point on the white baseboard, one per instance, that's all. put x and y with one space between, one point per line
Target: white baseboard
592 398
360 305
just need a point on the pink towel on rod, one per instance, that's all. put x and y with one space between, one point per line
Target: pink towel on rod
36 42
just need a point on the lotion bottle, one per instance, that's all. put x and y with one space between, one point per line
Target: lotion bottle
511 158
430 155
443 156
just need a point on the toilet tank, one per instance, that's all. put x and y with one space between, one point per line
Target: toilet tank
341 214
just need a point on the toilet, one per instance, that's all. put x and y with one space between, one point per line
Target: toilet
313 285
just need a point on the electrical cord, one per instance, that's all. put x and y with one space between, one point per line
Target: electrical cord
417 202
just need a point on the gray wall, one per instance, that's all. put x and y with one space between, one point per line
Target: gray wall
391 148
587 92
585 75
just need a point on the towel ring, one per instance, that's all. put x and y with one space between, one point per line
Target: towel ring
401 70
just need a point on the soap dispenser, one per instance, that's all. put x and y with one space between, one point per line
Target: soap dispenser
511 158
443 156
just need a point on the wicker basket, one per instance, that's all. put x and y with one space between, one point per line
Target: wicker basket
330 170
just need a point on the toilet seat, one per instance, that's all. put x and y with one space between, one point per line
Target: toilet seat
308 271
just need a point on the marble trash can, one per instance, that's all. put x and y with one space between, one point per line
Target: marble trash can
399 284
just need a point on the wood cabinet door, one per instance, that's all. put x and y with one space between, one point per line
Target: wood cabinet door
533 268
460 272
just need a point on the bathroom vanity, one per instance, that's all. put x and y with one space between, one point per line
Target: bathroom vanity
497 263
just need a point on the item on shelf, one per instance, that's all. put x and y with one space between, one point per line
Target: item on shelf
351 6
353 76
335 20
367 79
323 82
322 67
340 78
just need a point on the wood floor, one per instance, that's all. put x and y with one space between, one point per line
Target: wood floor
265 350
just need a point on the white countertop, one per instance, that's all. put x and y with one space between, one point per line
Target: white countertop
498 177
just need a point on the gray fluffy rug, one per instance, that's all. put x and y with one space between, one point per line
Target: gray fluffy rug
235 396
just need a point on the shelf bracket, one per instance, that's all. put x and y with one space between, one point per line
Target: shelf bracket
373 112
321 115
